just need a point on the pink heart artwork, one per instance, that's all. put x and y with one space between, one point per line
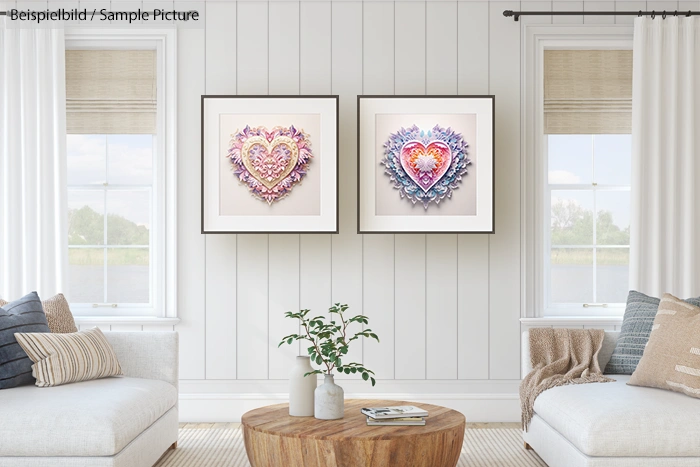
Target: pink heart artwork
270 162
425 165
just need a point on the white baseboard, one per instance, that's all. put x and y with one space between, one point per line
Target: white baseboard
227 407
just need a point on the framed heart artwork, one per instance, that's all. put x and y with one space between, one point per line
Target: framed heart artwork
269 164
425 164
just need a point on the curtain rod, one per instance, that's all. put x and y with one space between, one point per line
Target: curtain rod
517 14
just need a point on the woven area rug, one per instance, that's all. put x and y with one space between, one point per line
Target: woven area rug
202 446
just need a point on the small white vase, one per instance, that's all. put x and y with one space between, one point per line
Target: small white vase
301 389
329 400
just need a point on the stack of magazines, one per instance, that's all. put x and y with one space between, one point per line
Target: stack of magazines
403 415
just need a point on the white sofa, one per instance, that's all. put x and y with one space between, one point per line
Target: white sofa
125 421
612 424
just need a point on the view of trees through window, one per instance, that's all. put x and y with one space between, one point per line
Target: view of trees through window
109 218
589 178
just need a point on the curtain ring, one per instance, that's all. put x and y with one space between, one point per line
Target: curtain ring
664 15
640 14
653 14
688 15
675 13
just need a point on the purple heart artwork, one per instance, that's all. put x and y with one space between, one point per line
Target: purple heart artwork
425 166
270 162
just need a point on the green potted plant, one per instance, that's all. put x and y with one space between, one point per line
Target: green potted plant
330 341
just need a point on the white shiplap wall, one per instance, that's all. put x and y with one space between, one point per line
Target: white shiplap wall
447 307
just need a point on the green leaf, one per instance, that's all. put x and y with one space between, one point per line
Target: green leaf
373 381
347 370
290 340
354 370
337 361
365 376
319 360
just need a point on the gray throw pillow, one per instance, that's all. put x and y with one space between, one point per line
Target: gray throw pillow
636 327
23 315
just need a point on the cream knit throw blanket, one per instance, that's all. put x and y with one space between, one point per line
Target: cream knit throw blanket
560 357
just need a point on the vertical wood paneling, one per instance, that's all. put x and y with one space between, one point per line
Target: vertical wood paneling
252 305
409 50
441 250
315 74
409 299
378 250
220 49
441 311
346 271
441 45
252 47
315 48
567 6
473 250
221 258
191 294
252 266
409 250
283 293
378 291
473 59
504 252
284 48
283 296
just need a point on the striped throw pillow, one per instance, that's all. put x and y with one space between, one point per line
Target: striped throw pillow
58 313
671 359
69 358
23 315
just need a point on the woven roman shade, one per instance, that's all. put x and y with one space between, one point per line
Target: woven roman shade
111 91
587 91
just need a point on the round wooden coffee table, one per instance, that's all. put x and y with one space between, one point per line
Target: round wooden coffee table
274 439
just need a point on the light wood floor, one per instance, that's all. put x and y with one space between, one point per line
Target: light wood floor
205 426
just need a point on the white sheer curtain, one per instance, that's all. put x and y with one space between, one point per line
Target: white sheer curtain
665 229
33 194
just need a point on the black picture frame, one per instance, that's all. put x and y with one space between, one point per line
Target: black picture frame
365 97
204 98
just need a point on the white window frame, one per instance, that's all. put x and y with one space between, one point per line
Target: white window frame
534 175
163 247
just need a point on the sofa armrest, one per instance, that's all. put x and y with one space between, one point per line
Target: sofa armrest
149 355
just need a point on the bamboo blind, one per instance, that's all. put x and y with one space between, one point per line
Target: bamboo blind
587 91
111 91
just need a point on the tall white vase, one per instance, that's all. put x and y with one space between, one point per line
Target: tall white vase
301 389
329 400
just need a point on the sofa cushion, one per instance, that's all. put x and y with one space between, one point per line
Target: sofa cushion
91 418
617 420
22 315
636 326
69 357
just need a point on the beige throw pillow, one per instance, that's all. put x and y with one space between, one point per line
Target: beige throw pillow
671 359
68 358
57 312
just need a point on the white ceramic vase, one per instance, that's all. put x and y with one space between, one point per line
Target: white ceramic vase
301 389
329 400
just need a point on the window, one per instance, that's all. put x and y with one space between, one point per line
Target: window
110 218
588 202
120 173
585 203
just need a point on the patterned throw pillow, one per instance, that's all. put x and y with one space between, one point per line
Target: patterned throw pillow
57 312
634 335
23 315
68 358
672 357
